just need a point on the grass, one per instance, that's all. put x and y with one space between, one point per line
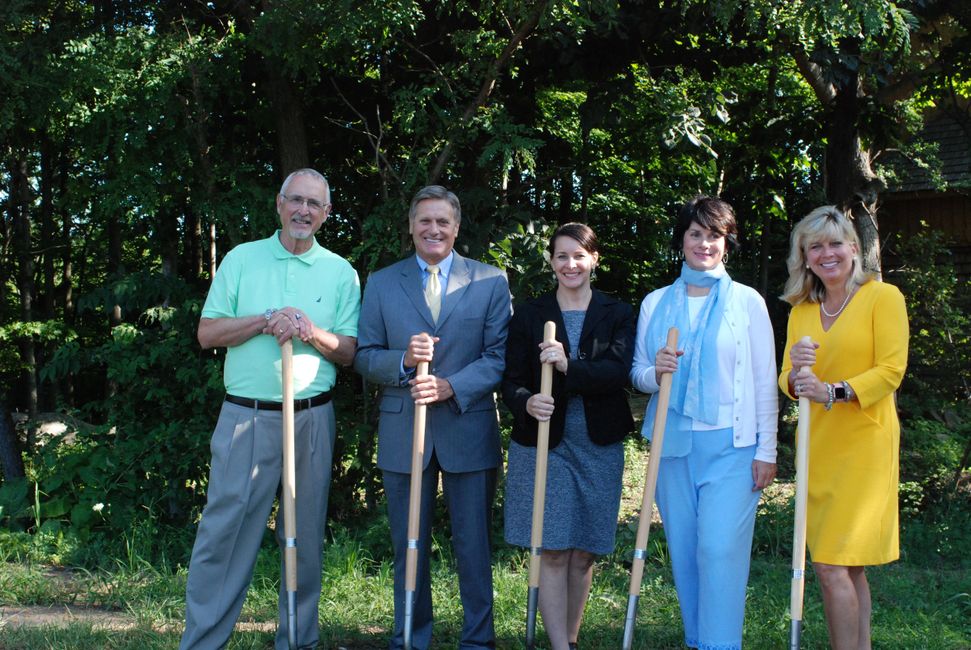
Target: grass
921 602
914 607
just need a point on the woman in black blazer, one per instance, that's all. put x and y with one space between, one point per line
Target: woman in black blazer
589 416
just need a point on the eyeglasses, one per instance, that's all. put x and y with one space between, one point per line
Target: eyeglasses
298 201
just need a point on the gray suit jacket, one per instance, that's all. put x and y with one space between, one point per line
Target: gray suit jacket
463 431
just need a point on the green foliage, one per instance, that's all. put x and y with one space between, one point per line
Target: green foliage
523 254
939 369
935 451
150 457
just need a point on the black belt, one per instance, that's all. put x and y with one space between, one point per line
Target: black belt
266 405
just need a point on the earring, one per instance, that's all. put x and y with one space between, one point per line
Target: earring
593 274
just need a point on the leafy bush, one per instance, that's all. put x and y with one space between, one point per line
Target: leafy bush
145 467
935 445
148 461
938 304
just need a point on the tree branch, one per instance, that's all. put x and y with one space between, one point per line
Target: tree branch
485 90
813 74
381 161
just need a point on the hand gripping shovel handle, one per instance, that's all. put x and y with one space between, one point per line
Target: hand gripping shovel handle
539 496
799 528
647 502
414 513
289 488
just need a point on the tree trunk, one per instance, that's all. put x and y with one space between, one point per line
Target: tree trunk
65 290
566 197
47 239
212 251
19 204
849 178
197 114
848 173
291 135
11 456
192 242
115 272
47 392
168 230
115 268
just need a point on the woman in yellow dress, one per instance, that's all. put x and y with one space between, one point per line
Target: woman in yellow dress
857 357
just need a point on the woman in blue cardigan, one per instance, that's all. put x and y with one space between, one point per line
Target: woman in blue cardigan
589 416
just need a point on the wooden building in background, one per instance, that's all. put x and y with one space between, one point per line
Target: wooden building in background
942 200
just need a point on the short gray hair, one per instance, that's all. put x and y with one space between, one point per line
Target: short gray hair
436 192
313 173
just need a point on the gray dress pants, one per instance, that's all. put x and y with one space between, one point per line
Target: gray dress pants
244 479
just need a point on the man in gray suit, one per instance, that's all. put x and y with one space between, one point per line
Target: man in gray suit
440 307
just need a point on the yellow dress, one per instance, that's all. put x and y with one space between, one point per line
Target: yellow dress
855 447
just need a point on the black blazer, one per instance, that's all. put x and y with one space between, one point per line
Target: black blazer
600 374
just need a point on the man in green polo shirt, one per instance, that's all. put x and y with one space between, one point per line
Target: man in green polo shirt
285 287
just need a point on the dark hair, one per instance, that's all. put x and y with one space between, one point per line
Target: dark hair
436 192
714 214
580 232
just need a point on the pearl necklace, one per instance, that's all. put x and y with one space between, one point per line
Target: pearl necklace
822 305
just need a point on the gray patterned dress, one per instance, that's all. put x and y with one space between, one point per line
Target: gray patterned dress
583 482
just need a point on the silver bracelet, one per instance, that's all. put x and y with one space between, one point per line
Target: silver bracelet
830 396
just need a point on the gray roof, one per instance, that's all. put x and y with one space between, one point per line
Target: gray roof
952 134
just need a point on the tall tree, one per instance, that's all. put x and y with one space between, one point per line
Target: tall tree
863 59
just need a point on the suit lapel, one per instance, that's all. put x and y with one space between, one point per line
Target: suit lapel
459 278
411 287
550 310
596 311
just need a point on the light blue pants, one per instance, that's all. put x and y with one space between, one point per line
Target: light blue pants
708 508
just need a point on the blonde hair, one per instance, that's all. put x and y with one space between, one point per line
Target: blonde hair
826 223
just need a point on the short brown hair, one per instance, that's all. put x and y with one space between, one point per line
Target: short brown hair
714 214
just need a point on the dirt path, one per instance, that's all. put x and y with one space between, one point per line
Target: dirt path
63 615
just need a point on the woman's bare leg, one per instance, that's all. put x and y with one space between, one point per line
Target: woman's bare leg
846 601
580 577
553 596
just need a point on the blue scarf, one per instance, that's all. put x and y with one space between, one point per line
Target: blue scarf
694 389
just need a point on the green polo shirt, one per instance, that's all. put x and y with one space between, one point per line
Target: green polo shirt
263 274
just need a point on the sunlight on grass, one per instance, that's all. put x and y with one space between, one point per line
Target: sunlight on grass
925 606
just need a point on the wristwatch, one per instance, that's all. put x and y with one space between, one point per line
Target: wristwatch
843 392
839 392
